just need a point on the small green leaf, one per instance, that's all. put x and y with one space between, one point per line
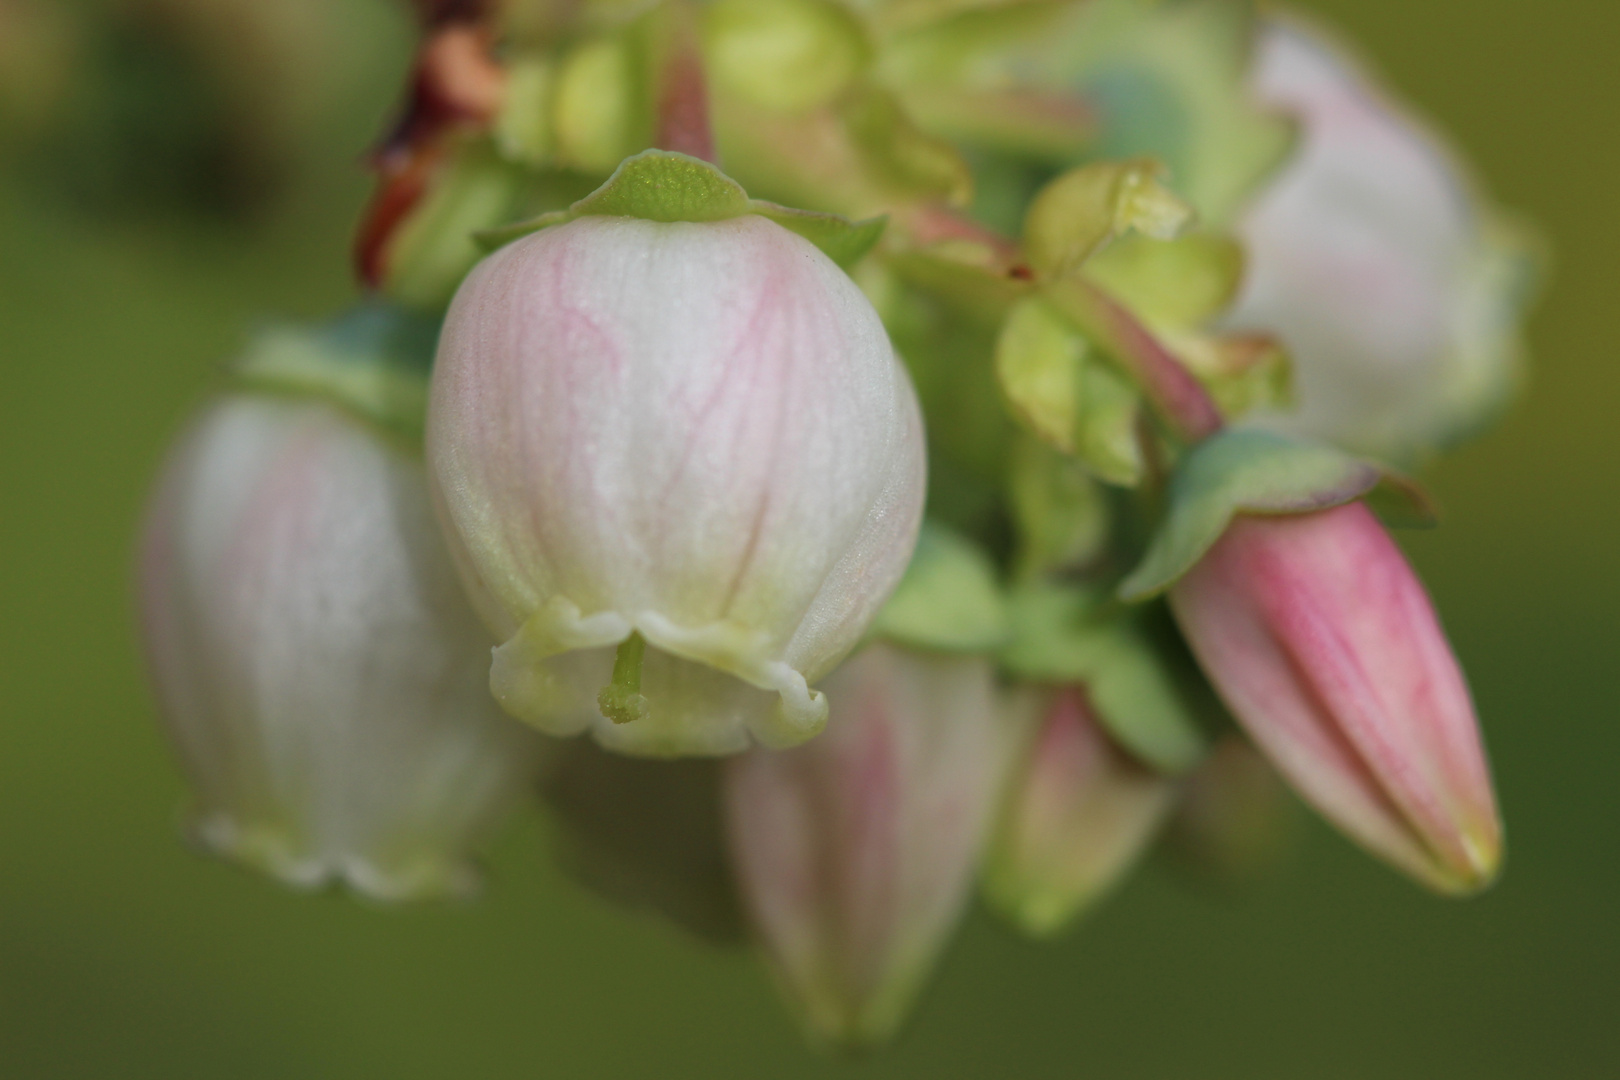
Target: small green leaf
1065 634
843 241
1075 215
948 599
1241 471
373 361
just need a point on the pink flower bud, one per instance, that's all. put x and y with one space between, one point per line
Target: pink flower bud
1077 814
855 853
1323 643
321 674
694 433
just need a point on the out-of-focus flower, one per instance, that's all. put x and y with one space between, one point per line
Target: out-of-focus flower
319 668
1396 291
1077 814
855 853
692 438
1234 816
646 834
1323 643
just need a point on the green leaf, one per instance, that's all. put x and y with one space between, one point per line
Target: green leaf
658 185
1241 471
843 241
373 361
1075 215
1066 634
948 599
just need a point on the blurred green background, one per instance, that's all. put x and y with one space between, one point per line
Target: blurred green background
123 955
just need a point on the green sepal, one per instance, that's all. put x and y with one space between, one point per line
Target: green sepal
1068 634
1182 282
656 185
843 241
1257 472
1075 215
373 361
660 185
1039 362
1054 384
948 600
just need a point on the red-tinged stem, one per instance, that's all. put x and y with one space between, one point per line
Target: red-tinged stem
934 223
1178 397
682 108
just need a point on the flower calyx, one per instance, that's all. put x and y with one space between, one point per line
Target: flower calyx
1257 472
665 186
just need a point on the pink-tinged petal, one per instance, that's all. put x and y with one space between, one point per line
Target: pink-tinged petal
1076 815
1325 646
855 852
320 672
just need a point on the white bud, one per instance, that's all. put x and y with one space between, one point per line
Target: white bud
855 853
320 671
696 434
1396 292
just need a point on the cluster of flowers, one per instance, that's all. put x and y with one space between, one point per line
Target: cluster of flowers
994 502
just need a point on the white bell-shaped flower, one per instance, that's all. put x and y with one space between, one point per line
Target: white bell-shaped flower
680 458
320 670
1396 290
